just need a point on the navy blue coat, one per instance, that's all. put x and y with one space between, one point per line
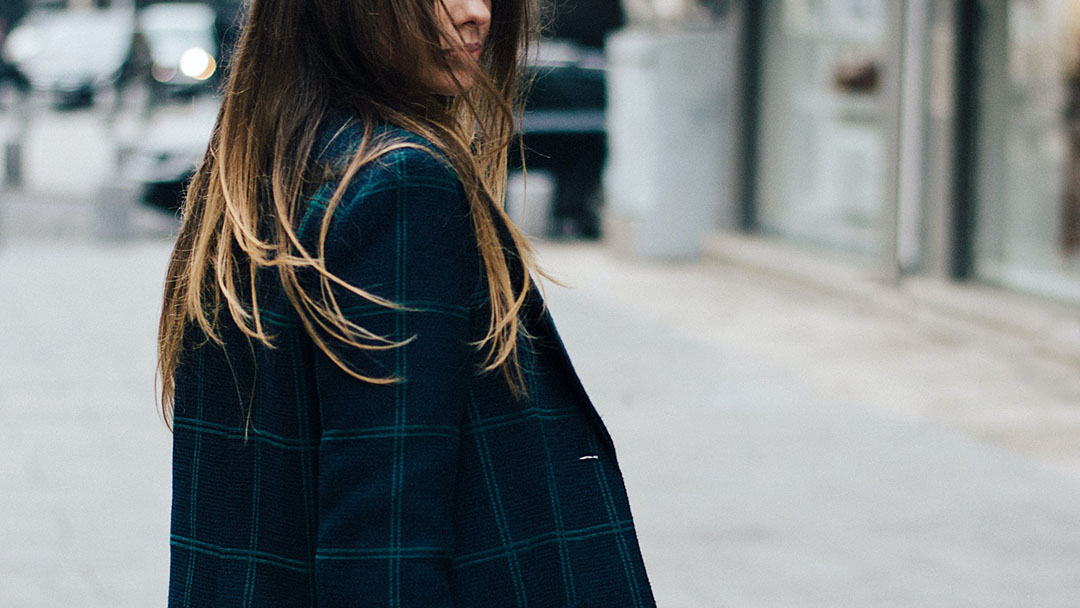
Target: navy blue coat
441 490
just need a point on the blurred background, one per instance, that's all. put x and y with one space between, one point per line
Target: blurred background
824 259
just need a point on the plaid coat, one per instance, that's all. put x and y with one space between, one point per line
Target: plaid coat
296 485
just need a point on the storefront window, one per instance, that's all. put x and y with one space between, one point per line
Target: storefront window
822 148
1028 147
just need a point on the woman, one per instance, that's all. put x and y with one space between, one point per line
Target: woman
370 404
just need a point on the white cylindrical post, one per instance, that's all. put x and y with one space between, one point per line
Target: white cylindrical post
665 123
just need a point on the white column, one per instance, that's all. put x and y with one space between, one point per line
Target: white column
665 115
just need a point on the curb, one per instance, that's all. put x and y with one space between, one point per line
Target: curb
1045 326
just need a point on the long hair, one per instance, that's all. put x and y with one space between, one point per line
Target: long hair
295 61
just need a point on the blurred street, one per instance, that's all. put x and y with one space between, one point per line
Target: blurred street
864 390
783 446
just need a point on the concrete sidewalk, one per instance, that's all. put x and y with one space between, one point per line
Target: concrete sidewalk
787 448
782 447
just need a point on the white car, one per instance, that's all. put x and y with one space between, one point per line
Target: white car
72 54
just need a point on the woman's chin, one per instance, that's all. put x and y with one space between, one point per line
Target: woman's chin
448 84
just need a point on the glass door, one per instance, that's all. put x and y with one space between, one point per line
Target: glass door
1027 222
822 149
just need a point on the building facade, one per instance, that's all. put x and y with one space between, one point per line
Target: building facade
928 138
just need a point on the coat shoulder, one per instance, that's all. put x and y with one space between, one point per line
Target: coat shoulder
401 166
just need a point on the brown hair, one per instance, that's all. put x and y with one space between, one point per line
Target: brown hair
294 62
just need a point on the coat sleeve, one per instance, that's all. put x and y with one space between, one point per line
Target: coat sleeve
388 454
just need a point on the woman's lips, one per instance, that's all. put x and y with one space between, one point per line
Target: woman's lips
471 49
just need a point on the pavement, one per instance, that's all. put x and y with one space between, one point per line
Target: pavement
787 447
783 446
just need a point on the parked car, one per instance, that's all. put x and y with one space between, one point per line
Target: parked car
72 55
182 43
163 157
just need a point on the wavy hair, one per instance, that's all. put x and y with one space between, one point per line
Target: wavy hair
295 62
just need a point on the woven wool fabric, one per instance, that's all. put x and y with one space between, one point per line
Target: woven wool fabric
296 485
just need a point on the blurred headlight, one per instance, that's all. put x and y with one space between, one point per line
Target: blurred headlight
197 63
22 44
162 74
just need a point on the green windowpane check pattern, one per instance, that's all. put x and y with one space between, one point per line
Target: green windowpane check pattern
296 485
